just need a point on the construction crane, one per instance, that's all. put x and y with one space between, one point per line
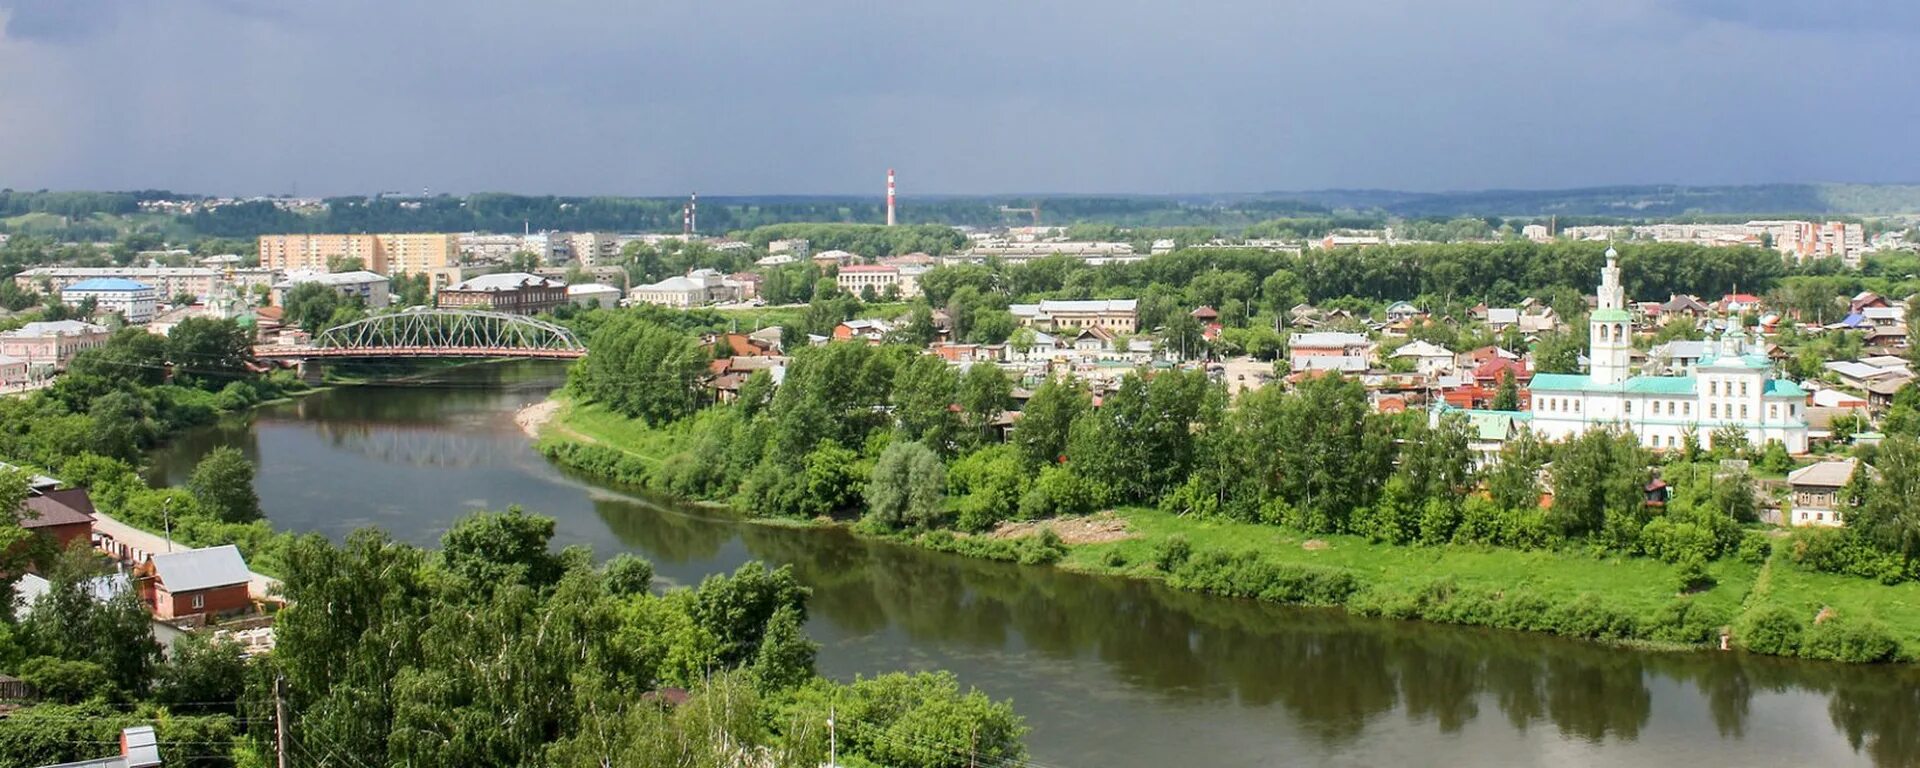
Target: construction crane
1035 211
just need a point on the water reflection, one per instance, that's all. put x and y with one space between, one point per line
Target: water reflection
1109 672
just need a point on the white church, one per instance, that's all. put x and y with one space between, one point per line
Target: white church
1731 387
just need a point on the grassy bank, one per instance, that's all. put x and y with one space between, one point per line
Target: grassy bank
1767 605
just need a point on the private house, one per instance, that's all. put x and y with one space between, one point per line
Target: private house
870 331
515 293
64 515
1329 351
1428 358
1816 493
1403 311
1682 307
49 346
197 582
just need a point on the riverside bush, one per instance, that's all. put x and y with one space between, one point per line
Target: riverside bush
1842 551
1775 630
1685 621
1755 548
1843 639
1171 552
601 462
1247 574
1674 541
1692 575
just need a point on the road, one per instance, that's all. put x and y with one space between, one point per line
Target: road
260 586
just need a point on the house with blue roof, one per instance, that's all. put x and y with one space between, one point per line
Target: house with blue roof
1728 383
135 302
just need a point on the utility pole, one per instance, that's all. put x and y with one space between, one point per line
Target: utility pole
166 521
280 720
833 741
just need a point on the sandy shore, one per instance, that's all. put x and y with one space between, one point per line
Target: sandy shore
533 417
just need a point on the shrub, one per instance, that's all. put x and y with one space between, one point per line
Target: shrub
1438 521
1692 575
1775 631
1042 548
1115 559
1755 548
1246 574
1674 541
1587 617
1058 492
69 682
990 484
1171 552
1841 639
1685 621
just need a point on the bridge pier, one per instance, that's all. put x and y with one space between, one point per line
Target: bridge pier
312 372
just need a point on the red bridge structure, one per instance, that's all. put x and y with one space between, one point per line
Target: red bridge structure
437 333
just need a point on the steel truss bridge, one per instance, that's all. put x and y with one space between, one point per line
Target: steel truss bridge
437 333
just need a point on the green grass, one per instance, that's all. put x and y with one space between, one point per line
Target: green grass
1633 584
602 426
1806 592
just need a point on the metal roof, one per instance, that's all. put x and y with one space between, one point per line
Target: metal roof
197 569
107 284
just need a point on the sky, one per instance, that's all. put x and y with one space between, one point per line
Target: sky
637 97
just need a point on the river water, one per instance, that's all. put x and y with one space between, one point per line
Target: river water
1107 672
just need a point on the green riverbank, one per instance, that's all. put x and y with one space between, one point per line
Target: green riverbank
1762 603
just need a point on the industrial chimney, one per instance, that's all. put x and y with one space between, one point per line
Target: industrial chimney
890 197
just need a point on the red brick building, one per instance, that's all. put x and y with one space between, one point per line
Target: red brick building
64 515
196 582
516 293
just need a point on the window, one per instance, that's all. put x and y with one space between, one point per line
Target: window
1627 407
1669 441
1713 410
1713 387
1743 411
1686 409
1743 389
1773 412
1576 406
199 601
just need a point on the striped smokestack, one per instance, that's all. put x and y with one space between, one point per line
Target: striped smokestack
890 197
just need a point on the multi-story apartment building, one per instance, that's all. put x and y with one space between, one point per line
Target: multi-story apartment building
417 254
592 248
310 253
516 293
389 254
854 278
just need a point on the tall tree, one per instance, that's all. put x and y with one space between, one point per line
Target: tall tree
1045 422
222 485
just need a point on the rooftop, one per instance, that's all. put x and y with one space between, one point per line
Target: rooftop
118 284
201 568
55 328
506 281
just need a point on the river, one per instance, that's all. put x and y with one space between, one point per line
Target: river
1107 672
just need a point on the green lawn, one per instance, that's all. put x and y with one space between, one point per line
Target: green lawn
1898 606
1638 585
605 427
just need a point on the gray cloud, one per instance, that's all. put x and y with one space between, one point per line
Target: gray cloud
762 96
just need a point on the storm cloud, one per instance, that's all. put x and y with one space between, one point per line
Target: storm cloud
765 97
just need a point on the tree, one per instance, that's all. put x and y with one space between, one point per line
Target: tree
907 489
785 658
1599 486
1042 432
311 306
209 349
640 369
1558 353
924 393
489 550
1507 397
985 393
628 574
1890 518
205 673
222 484
131 355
